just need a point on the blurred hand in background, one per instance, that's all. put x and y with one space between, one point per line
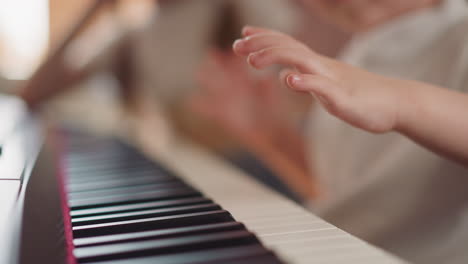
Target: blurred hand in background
257 113
249 106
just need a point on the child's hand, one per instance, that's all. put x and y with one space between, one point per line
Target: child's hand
362 99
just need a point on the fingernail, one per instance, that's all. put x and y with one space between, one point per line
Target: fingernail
238 44
246 30
251 59
294 80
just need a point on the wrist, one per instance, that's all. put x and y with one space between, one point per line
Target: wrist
406 105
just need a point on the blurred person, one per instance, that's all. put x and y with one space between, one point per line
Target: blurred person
154 65
155 68
385 188
163 40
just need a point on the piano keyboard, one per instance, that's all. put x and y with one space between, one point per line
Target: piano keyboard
125 208
293 233
107 203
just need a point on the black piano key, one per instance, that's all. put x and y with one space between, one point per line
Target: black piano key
268 258
114 174
156 223
156 195
93 149
164 246
125 207
105 150
116 155
114 183
138 206
105 158
93 152
158 234
104 164
92 220
126 189
124 178
108 169
218 255
110 150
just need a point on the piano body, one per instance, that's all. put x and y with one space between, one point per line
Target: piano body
68 197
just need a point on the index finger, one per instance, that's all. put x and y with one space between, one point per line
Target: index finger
251 30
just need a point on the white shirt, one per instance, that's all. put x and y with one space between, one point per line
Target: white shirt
385 188
170 51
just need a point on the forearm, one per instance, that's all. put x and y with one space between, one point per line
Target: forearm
436 118
49 82
56 77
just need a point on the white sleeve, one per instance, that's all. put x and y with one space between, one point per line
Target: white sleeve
277 14
461 75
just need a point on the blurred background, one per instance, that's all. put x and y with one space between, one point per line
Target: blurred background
21 24
139 68
162 72
33 30
30 28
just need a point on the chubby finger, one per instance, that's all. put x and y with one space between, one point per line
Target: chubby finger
302 60
251 30
254 43
284 74
325 90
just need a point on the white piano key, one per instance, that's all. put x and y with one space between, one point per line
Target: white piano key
296 235
288 237
327 246
272 228
279 217
311 243
9 191
287 231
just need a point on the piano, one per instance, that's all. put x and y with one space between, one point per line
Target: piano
69 197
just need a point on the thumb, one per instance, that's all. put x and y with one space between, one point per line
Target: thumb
325 90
